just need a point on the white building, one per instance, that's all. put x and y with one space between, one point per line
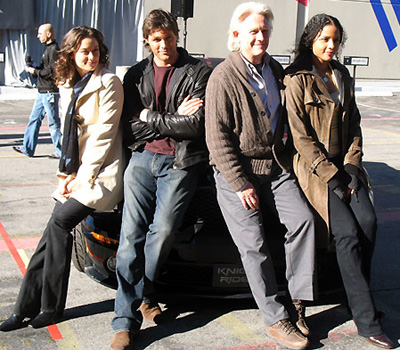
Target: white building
372 26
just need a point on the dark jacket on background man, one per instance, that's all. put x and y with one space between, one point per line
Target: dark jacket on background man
190 78
44 72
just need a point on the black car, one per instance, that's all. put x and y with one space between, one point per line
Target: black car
203 261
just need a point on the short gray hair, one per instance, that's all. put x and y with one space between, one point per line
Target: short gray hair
241 13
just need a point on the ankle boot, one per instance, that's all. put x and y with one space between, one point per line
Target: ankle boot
301 317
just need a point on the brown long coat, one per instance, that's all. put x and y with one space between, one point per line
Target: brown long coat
310 111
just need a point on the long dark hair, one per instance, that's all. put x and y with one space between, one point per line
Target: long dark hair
64 67
314 27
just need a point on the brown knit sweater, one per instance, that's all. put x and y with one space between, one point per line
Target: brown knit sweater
238 132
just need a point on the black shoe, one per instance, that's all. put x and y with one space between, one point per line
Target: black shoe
45 319
53 156
12 323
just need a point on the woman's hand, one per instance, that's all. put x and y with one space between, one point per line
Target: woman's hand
353 172
248 197
66 186
339 189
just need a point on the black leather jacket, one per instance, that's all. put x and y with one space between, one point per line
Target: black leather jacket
190 78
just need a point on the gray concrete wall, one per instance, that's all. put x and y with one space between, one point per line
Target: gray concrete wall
207 31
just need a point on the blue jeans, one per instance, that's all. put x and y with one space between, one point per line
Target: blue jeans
45 103
156 198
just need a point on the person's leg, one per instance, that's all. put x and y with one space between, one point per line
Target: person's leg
247 230
366 219
138 211
45 284
295 214
51 107
29 297
175 189
57 262
344 228
32 130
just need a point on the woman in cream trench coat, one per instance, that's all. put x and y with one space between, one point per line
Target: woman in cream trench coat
90 172
325 125
98 182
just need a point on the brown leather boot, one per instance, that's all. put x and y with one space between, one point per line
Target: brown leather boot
301 320
286 334
151 312
123 340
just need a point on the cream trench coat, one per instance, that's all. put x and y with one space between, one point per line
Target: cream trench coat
98 183
310 112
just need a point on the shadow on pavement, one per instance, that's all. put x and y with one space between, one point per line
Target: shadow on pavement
88 310
385 270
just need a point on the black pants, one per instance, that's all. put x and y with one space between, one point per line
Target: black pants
44 287
353 226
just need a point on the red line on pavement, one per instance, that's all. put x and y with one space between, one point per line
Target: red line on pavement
12 249
53 329
21 243
14 127
54 332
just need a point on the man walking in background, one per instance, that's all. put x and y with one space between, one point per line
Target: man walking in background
46 102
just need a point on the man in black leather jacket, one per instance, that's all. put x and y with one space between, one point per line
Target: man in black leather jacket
163 121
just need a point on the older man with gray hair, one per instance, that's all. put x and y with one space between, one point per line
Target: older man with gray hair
250 151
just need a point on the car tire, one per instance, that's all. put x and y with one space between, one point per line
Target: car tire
79 248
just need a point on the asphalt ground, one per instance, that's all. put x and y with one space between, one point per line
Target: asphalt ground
26 185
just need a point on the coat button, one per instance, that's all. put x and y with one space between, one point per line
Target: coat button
253 94
92 180
268 166
262 113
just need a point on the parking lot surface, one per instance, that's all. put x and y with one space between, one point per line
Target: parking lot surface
192 323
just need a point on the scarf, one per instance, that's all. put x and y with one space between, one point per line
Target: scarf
69 161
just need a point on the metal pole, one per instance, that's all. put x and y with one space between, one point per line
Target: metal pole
184 32
302 18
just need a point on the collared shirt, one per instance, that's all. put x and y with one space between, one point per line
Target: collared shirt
266 87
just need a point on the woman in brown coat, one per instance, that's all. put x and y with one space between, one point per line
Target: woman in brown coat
325 123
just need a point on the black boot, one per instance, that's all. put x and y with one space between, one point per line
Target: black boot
45 319
12 323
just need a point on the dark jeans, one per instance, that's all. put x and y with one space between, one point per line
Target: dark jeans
44 287
353 226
